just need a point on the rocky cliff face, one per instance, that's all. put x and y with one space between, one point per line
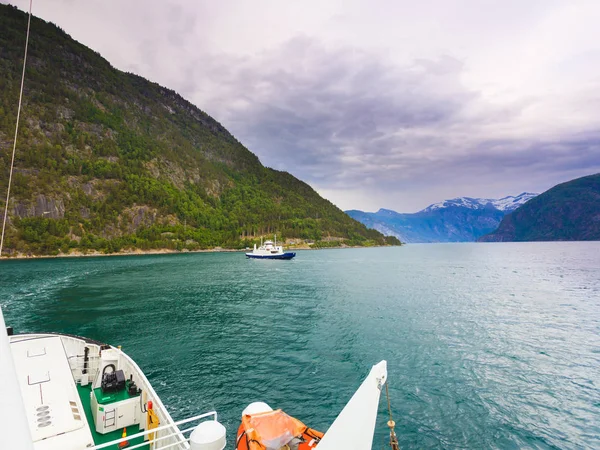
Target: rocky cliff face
41 207
567 212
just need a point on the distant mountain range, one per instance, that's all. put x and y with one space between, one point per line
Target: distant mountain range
506 204
460 219
568 212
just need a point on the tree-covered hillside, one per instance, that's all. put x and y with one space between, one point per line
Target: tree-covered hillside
568 212
107 160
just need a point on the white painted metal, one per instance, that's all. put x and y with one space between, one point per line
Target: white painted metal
14 428
49 394
167 431
256 408
108 356
130 367
209 435
354 427
115 416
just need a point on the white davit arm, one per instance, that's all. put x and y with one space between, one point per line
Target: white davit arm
14 428
354 427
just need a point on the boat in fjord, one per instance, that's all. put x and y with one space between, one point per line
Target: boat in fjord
269 250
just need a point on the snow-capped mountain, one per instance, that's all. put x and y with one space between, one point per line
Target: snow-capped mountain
505 204
460 219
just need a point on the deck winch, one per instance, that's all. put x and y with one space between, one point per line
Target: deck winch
113 381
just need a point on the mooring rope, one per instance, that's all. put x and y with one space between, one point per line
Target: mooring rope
393 438
12 162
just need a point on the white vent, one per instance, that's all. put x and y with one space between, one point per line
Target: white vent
43 417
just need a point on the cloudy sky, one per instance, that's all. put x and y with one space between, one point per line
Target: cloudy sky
394 104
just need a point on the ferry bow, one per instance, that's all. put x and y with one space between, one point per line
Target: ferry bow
263 428
354 427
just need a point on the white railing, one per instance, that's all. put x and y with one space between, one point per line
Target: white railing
175 433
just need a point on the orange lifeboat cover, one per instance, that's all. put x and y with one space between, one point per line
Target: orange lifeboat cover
272 430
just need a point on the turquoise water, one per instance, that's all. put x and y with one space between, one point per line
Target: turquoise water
488 345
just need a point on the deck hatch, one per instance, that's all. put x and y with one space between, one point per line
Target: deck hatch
36 351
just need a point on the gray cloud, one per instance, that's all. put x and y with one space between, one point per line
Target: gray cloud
344 119
332 106
394 107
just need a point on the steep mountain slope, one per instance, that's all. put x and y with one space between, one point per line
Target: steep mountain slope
108 160
460 219
567 212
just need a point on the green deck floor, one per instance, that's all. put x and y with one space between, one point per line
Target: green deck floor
84 395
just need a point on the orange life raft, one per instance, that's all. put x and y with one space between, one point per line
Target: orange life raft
274 430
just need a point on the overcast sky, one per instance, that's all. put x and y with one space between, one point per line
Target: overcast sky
376 104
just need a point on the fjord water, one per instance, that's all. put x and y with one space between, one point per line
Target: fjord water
488 345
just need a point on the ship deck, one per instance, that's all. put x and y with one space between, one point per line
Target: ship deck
58 408
49 394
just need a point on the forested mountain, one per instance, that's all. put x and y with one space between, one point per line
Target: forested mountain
568 212
460 219
107 160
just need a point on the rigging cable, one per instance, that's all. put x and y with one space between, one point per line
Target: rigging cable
12 162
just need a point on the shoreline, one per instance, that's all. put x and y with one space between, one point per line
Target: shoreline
139 252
